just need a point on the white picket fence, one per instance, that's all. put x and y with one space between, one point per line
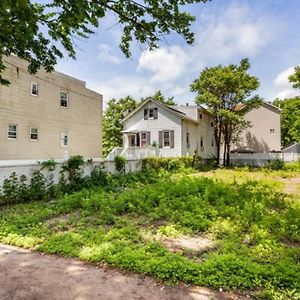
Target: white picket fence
27 167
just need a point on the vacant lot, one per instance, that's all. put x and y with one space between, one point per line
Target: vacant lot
229 229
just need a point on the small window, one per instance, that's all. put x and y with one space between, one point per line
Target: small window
64 99
64 139
34 133
212 124
12 132
272 130
188 140
166 139
201 144
34 89
151 113
143 139
200 116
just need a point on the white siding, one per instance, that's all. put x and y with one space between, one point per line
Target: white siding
192 129
166 121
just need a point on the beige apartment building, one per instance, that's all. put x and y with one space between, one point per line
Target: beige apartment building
47 115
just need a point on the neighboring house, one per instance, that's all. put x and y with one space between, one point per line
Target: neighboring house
167 131
264 133
47 115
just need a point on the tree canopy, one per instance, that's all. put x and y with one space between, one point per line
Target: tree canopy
290 120
295 78
39 33
221 89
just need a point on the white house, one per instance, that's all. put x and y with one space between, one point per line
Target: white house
157 129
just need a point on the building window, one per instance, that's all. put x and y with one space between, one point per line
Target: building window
143 139
151 113
12 131
188 140
166 139
272 130
64 99
64 139
201 144
200 116
34 89
34 133
212 124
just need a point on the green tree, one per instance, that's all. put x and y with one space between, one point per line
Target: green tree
38 32
295 78
158 96
221 89
290 119
112 128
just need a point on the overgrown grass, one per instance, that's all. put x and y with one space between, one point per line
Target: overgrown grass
256 229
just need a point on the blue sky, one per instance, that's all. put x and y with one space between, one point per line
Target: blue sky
265 31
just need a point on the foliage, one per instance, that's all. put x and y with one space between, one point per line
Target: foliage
253 226
73 167
295 78
40 33
120 163
49 164
276 164
158 96
116 111
290 119
222 89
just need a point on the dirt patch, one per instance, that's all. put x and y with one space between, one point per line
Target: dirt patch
31 275
291 185
192 244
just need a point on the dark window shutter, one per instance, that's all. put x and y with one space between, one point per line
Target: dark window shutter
160 133
155 113
148 138
172 138
145 114
137 139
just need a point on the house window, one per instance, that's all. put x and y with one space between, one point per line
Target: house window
212 124
151 113
166 139
143 139
201 144
34 134
12 131
272 130
34 89
64 99
200 116
188 140
64 139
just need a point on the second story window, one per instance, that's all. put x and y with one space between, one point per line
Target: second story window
64 139
272 130
34 133
64 99
188 140
34 89
151 113
12 131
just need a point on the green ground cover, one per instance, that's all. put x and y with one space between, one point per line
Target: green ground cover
254 226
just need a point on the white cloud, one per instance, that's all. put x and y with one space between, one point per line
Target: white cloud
166 63
283 86
106 54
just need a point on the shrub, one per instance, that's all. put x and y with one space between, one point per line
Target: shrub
276 164
120 163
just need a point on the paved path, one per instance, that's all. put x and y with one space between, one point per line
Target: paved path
33 276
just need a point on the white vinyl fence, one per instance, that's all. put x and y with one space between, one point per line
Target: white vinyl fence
27 167
261 159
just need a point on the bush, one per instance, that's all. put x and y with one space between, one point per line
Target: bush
120 163
276 164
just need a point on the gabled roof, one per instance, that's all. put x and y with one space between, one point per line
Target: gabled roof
241 106
175 111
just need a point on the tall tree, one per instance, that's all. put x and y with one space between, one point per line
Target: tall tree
295 78
158 96
290 120
38 32
221 89
112 128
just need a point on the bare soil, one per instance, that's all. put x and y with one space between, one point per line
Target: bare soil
33 276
